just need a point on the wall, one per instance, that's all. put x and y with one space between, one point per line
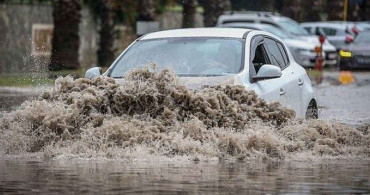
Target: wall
16 23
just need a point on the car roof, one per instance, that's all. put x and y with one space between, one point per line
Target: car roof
198 32
258 26
253 16
327 24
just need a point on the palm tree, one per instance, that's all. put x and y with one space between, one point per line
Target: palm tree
212 10
66 40
146 10
106 51
189 11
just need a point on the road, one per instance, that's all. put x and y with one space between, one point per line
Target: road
345 103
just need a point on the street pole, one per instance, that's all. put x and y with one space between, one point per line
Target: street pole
319 61
345 8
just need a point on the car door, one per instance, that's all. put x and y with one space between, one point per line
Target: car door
271 90
290 81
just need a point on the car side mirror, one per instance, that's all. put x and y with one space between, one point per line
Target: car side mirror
268 71
93 72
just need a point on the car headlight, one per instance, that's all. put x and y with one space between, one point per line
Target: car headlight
305 52
345 54
303 56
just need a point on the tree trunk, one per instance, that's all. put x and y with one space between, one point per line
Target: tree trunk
146 9
106 51
212 10
267 5
189 12
66 40
365 10
334 8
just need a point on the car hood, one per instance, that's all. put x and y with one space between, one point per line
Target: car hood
358 49
199 82
299 43
314 39
207 81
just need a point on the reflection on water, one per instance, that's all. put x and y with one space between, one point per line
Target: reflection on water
118 177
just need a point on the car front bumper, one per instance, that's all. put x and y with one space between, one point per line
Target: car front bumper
355 62
330 58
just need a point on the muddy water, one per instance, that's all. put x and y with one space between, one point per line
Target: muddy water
11 98
164 137
115 177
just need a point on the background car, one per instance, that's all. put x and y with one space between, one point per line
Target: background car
212 56
303 51
339 34
364 25
272 18
357 54
278 21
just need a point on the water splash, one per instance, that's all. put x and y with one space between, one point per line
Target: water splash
151 114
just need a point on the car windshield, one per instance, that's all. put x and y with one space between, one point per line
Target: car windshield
186 56
293 27
278 32
363 38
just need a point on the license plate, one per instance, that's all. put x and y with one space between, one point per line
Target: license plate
332 55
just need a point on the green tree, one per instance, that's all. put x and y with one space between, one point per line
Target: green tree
66 40
146 10
189 13
212 10
106 34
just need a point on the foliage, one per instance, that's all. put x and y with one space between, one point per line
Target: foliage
66 40
213 9
189 12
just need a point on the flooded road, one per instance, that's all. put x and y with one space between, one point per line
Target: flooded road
345 103
115 177
303 175
11 97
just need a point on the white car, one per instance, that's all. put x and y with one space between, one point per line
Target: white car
210 56
303 51
337 33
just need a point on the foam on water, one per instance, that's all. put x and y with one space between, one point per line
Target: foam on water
151 114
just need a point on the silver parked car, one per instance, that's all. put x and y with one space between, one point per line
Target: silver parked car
303 51
283 23
338 33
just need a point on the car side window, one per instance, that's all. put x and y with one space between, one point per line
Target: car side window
285 55
308 29
275 54
260 57
329 31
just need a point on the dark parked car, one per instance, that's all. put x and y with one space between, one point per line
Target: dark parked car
357 54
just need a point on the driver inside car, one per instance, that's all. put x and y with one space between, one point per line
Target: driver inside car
225 61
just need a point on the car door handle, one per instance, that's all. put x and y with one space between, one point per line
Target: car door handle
300 82
282 91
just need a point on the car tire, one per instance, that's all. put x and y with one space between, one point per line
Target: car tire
312 111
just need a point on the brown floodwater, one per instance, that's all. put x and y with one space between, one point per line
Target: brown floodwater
35 176
154 135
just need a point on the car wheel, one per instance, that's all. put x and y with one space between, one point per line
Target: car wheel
312 111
